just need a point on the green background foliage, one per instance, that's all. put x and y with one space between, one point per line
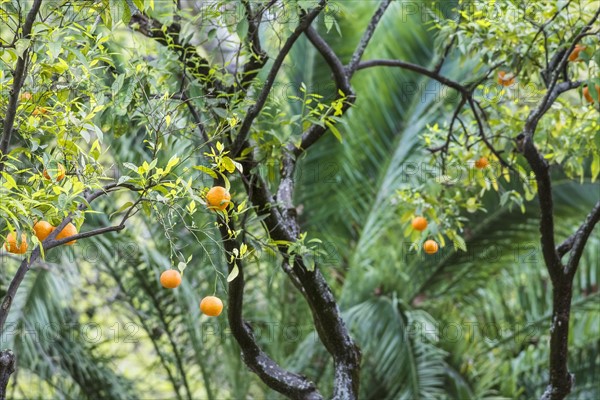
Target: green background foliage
471 321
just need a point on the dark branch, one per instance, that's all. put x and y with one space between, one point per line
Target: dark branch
536 115
293 385
336 66
253 112
313 286
364 41
579 239
18 79
168 35
50 242
258 57
416 68
315 132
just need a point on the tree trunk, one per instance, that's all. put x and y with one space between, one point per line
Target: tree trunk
561 380
7 367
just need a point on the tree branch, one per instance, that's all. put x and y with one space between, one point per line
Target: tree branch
293 385
342 80
367 35
416 68
255 109
336 66
311 283
50 242
579 239
18 80
169 37
7 367
551 95
258 57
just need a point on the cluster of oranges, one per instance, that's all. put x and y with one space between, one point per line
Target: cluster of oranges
210 305
574 57
42 228
420 224
507 79
217 198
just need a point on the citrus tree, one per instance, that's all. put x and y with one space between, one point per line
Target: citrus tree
197 95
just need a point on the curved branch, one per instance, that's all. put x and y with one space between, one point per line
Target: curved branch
364 41
536 115
315 132
256 108
336 66
329 324
50 242
416 68
288 383
18 80
579 239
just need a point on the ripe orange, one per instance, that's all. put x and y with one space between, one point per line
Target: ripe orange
42 229
40 111
574 56
430 246
588 95
25 96
419 224
59 172
11 243
211 306
218 198
68 230
505 79
170 279
482 163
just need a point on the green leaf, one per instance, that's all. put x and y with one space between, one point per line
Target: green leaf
334 130
228 164
234 273
206 170
242 28
181 266
595 166
122 208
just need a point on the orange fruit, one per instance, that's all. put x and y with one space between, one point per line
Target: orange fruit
170 279
588 95
11 243
25 96
218 198
68 230
60 172
482 163
211 306
419 223
40 111
42 229
574 56
505 79
430 246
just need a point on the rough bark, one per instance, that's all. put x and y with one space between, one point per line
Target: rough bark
7 367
